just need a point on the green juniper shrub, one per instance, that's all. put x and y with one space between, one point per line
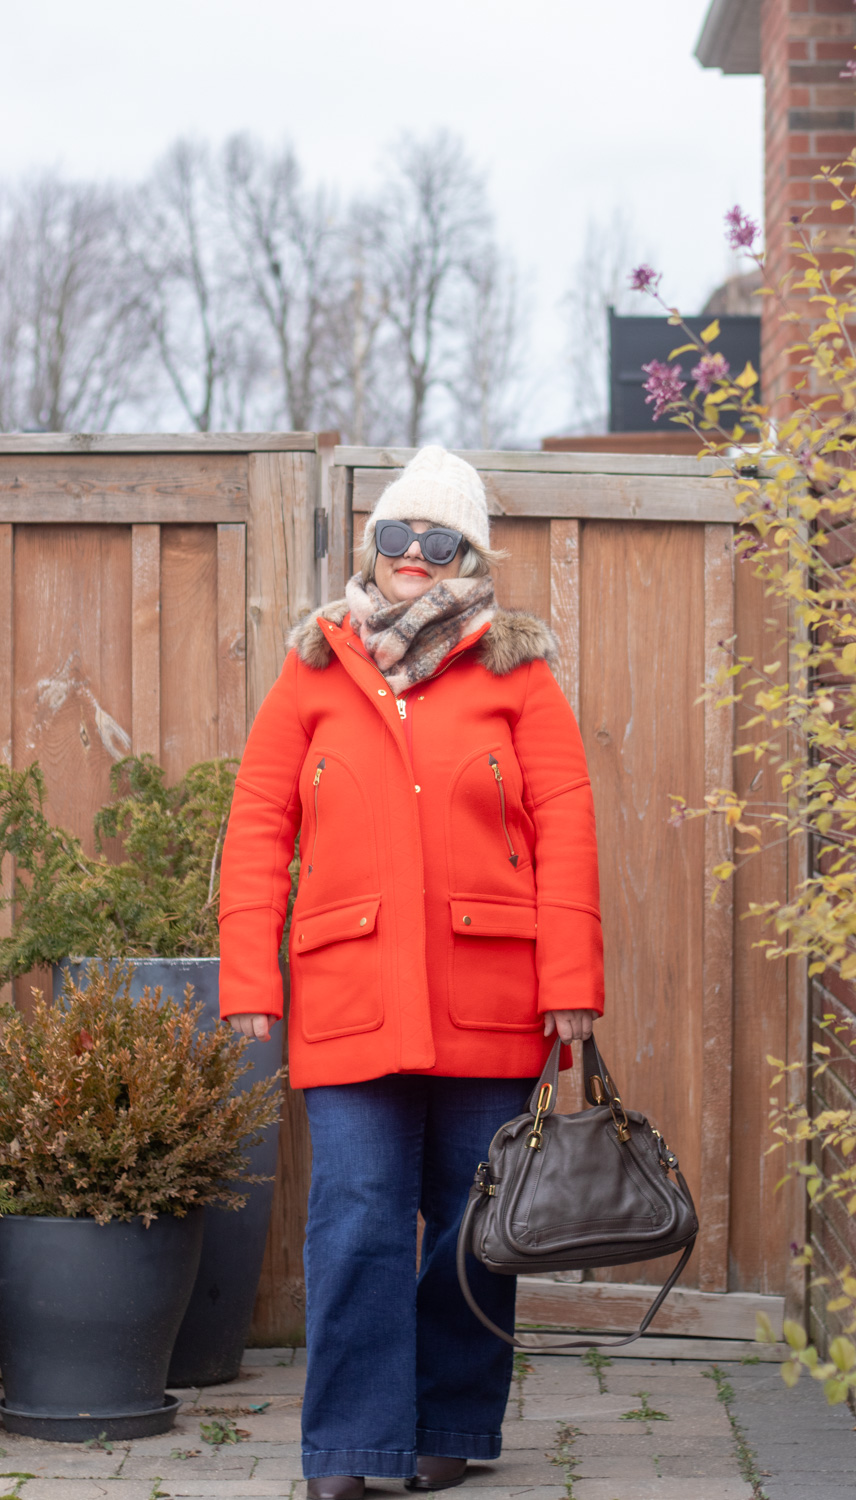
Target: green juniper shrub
112 1107
159 899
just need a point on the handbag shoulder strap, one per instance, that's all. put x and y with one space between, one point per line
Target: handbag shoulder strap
464 1238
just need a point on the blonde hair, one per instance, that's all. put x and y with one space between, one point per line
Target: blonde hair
476 562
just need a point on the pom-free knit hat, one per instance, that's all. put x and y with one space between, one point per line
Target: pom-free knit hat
438 487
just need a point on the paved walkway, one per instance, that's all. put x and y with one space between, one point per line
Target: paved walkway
631 1430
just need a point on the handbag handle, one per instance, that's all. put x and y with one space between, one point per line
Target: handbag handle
464 1238
599 1086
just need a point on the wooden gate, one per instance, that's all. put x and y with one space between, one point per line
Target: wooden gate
147 586
631 559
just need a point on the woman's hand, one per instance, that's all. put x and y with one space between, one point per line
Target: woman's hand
257 1028
572 1025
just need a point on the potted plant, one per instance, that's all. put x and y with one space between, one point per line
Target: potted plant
119 1123
153 900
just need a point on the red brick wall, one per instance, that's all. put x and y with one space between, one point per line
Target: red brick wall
810 121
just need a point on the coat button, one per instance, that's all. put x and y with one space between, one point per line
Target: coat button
363 921
300 939
381 692
468 921
421 697
417 789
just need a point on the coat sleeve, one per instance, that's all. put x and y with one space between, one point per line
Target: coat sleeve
259 846
569 944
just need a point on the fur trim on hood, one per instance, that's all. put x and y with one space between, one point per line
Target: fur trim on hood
514 639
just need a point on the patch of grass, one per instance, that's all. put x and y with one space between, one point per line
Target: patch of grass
185 1452
522 1368
598 1363
566 1436
222 1430
644 1412
102 1441
746 1459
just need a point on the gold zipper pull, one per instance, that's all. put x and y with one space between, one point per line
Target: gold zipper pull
315 780
494 765
402 707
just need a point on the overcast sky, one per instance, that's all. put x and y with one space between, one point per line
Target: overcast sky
572 108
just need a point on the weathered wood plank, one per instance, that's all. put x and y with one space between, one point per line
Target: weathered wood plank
711 1351
157 442
188 647
611 497
7 867
97 489
280 562
718 928
565 623
145 641
280 589
760 1232
644 740
523 579
231 639
565 605
535 461
619 1308
72 701
340 527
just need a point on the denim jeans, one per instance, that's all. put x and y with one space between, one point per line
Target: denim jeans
398 1365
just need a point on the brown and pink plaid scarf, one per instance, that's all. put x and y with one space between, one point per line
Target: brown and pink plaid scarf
409 641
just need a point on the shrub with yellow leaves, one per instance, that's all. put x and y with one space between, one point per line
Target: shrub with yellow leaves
796 492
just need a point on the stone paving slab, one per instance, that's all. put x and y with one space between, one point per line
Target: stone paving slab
664 1489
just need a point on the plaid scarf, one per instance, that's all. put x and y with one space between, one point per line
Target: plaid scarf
409 641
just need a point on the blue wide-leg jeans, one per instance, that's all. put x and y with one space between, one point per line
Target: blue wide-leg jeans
397 1365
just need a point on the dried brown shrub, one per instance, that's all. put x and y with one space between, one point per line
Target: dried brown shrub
113 1108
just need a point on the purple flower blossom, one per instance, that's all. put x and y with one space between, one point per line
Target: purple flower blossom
849 70
741 229
710 368
645 279
664 385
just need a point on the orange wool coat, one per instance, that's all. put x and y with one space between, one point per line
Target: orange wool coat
448 889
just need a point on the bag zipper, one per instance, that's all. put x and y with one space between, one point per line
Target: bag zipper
494 765
316 779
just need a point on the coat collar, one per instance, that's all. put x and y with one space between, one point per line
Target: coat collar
512 640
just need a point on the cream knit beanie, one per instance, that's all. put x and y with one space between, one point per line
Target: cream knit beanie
440 488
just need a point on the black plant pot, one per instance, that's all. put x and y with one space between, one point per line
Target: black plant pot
88 1317
214 1331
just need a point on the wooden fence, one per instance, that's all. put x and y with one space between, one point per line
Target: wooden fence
146 589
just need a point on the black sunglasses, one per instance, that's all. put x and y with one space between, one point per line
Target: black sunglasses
438 544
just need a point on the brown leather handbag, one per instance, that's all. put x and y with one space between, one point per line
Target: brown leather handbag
567 1192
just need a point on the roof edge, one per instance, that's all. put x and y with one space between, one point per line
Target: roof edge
731 37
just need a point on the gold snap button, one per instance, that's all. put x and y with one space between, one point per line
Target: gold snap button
300 939
417 789
381 692
363 921
468 921
421 697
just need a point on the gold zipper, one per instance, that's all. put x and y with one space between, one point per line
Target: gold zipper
494 765
316 779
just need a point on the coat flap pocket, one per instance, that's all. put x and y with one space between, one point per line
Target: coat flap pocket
335 924
475 917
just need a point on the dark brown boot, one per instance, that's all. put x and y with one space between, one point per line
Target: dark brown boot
434 1473
336 1487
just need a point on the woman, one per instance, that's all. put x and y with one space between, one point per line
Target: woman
446 925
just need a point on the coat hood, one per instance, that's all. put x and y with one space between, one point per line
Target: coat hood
514 639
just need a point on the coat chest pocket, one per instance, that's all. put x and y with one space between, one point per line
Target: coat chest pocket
335 969
493 983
